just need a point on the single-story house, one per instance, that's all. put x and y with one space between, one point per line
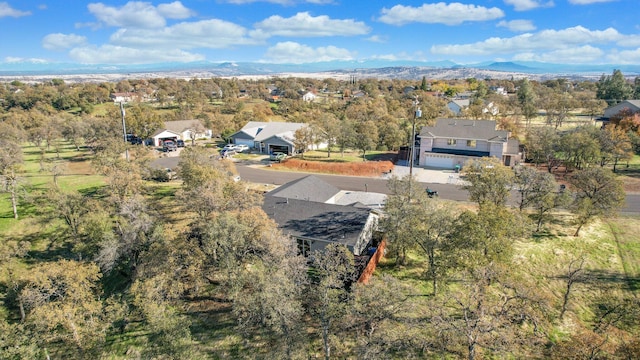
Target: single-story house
458 105
180 129
268 137
611 111
450 143
309 96
123 97
307 209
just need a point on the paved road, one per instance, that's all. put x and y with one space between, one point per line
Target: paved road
356 183
379 185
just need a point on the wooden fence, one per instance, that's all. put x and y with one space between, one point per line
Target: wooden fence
373 262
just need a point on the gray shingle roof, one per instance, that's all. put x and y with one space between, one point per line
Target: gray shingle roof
308 219
465 129
310 188
260 131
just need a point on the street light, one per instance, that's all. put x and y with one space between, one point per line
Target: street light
417 113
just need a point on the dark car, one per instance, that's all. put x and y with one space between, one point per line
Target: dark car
169 146
180 143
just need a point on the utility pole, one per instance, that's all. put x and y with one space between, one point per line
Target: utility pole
124 132
416 114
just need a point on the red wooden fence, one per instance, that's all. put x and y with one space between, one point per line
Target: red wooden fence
373 262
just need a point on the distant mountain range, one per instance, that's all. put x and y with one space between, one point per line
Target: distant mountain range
369 68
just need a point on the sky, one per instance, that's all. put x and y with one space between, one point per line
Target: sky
306 31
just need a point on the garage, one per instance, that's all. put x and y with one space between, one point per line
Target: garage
279 148
248 142
438 161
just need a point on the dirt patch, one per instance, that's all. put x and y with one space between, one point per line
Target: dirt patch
368 168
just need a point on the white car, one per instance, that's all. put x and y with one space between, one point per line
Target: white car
242 148
230 147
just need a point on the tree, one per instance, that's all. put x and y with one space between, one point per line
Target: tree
332 271
488 181
542 144
269 299
62 302
615 146
10 162
403 208
614 88
527 99
580 147
597 193
574 273
366 136
303 139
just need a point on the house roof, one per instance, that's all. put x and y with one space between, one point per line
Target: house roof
180 126
260 131
309 188
465 129
315 220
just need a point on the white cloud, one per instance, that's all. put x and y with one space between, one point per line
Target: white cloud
543 40
579 54
587 2
625 57
524 5
213 34
377 39
295 53
304 25
109 54
62 41
518 25
138 14
449 14
7 10
175 10
13 59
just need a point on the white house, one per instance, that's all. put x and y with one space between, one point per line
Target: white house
180 129
309 97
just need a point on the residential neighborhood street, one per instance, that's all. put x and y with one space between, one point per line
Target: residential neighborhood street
378 185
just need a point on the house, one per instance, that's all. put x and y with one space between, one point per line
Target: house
450 143
180 129
268 137
309 96
458 105
123 97
307 209
611 111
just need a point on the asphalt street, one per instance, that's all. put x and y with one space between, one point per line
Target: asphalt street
356 183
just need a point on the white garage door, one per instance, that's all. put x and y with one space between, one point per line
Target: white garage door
439 161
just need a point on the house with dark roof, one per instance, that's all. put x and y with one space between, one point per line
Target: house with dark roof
611 111
268 137
452 142
307 209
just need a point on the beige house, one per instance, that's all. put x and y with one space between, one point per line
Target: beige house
450 143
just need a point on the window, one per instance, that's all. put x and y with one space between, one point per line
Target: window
451 141
471 143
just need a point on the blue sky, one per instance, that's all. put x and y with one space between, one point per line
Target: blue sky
303 31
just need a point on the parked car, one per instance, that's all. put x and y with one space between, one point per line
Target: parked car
229 147
277 156
242 148
226 153
180 143
169 145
